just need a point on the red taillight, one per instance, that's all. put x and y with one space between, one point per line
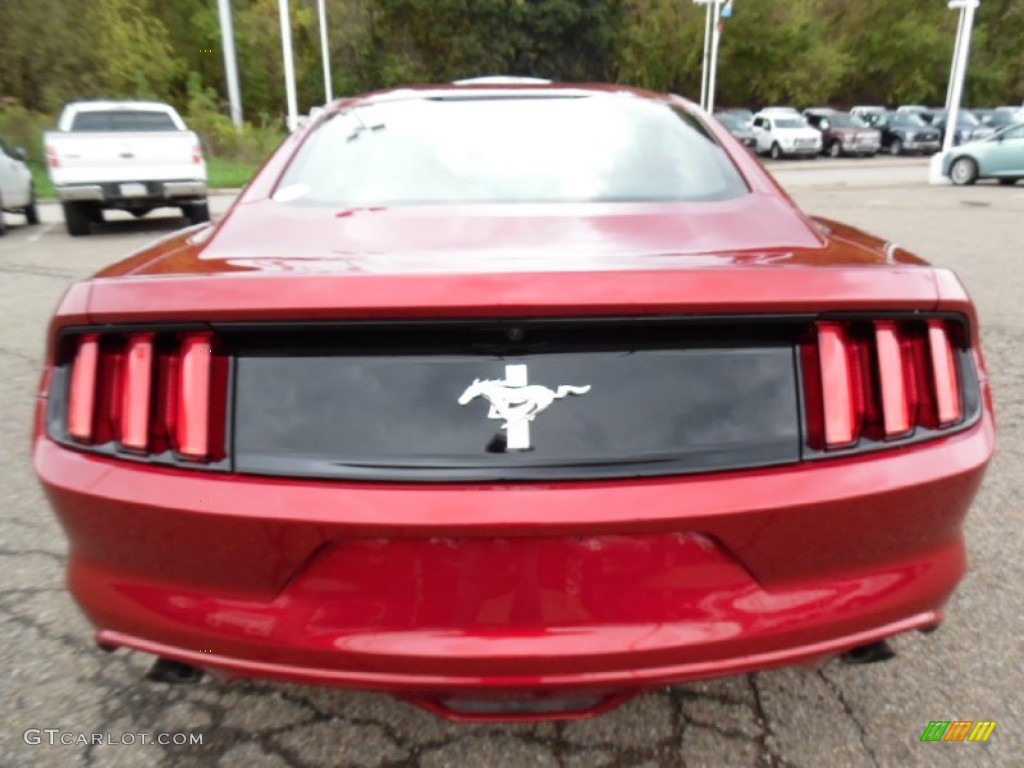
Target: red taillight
197 154
149 393
836 386
879 381
947 382
895 402
52 158
82 396
192 424
136 392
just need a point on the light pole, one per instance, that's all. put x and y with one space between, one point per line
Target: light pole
714 12
289 64
227 34
955 91
706 58
962 54
716 38
325 52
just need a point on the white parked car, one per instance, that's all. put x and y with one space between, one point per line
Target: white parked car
129 155
785 135
16 192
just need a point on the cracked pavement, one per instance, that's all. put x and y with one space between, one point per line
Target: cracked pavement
830 715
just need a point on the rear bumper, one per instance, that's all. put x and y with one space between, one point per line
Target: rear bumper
861 149
922 146
155 192
553 588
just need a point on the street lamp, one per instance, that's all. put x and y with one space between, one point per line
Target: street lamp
715 11
227 34
955 91
325 53
289 64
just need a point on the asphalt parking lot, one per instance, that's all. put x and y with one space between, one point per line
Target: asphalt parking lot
834 715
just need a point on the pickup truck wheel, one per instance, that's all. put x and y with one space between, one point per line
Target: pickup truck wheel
776 151
197 213
896 148
963 171
835 149
31 212
76 218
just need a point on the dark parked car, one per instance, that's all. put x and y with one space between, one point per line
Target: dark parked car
968 126
906 133
738 127
843 133
513 400
999 118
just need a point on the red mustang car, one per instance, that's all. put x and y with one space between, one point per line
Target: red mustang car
513 400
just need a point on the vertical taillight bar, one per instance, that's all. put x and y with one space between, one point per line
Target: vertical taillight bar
895 404
82 397
192 425
136 392
837 393
947 383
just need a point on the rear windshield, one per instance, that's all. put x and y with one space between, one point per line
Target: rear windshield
509 150
908 120
841 120
790 122
123 120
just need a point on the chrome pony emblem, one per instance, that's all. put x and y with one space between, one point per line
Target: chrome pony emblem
517 402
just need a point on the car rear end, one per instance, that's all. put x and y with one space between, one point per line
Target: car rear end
119 169
512 459
124 155
304 498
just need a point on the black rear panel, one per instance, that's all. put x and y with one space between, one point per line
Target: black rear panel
381 401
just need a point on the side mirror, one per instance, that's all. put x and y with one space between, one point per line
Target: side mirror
823 125
21 154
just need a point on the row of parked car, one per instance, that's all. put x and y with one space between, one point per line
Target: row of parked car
863 131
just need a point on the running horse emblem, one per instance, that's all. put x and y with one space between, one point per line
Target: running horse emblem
517 402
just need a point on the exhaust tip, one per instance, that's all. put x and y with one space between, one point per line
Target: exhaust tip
173 672
871 653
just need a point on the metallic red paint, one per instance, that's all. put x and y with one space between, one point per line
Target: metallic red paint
531 590
563 587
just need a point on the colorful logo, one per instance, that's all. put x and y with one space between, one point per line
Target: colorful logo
958 730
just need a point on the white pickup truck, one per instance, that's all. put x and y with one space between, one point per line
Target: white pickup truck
129 155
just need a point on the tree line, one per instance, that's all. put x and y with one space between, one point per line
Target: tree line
800 52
